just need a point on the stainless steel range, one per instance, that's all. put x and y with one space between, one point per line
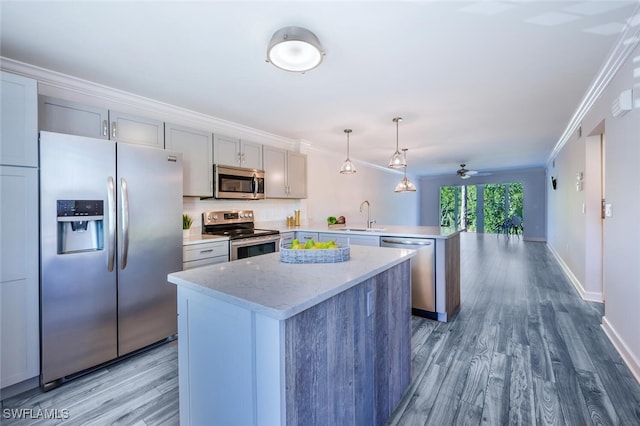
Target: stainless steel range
244 239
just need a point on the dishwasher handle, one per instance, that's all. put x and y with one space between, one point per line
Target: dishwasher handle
407 242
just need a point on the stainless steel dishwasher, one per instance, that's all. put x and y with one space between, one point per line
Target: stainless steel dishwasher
423 280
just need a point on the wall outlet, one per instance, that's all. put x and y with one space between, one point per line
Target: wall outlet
608 210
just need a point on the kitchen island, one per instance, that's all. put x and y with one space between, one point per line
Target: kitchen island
271 343
444 296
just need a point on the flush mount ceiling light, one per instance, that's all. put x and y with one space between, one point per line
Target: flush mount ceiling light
347 167
405 184
397 160
295 49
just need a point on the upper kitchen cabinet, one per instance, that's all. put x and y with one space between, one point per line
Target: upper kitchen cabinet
19 115
197 158
285 173
235 152
60 116
136 130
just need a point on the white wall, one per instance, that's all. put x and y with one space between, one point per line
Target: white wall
571 231
335 194
534 195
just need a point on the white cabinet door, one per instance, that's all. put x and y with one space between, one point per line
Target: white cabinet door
136 130
275 169
18 115
285 173
19 272
229 151
71 118
296 175
251 155
226 150
197 158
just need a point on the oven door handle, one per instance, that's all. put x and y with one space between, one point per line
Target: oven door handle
243 242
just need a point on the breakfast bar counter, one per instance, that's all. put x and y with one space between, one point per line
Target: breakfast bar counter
266 342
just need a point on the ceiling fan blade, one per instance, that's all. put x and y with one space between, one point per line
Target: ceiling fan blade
471 172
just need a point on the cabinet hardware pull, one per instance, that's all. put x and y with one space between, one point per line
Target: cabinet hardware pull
105 128
206 251
113 130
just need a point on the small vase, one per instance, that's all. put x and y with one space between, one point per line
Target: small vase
185 234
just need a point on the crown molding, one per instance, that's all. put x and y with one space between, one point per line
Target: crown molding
628 40
106 94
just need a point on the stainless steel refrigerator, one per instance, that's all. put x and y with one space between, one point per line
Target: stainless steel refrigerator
111 231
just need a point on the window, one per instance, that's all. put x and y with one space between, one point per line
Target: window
461 206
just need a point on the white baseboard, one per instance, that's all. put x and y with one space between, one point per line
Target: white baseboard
632 362
589 296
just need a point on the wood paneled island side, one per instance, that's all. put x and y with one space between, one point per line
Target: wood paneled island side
268 343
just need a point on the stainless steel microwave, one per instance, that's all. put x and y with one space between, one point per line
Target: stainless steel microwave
238 183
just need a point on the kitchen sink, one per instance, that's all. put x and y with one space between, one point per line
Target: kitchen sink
350 229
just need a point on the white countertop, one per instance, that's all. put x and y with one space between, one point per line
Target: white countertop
386 230
279 290
203 238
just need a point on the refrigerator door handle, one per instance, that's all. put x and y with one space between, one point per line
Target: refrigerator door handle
125 223
111 205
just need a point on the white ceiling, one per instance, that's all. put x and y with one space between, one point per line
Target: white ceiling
493 84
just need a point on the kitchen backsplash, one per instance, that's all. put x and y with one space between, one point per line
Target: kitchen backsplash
275 210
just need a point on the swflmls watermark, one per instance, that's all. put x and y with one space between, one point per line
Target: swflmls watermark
35 413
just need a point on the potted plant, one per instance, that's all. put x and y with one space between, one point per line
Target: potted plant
186 225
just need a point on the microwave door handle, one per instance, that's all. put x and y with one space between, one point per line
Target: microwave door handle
254 184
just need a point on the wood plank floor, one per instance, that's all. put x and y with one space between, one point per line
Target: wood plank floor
524 350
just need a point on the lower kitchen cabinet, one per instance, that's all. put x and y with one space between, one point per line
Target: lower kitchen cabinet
205 253
351 239
19 275
303 236
286 238
196 147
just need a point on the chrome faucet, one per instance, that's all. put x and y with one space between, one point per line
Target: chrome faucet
369 220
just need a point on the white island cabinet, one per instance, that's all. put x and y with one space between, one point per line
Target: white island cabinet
270 343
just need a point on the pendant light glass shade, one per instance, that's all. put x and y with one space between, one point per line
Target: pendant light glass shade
405 184
295 49
397 160
347 167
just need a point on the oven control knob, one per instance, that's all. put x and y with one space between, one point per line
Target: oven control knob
250 214
215 217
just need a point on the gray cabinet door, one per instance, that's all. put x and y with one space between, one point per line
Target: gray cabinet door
226 150
19 275
136 130
18 115
71 118
296 175
251 155
196 147
275 167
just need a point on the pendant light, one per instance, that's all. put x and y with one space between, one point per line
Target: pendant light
347 167
405 184
397 160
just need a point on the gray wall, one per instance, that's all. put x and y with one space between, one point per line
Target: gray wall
534 187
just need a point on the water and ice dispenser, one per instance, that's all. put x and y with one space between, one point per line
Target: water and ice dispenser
80 226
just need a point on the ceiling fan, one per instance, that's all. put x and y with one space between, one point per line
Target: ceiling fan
465 173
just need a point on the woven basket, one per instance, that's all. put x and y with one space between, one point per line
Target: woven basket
341 254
